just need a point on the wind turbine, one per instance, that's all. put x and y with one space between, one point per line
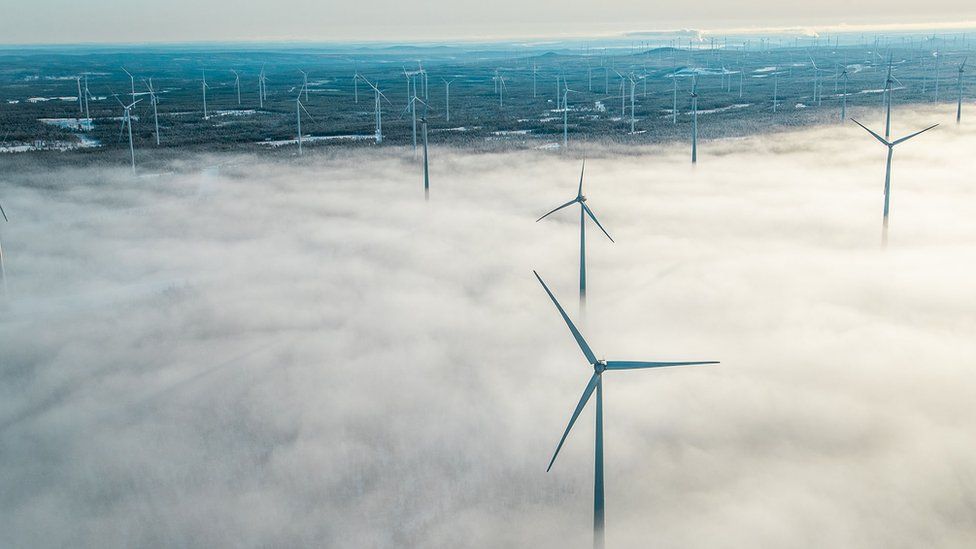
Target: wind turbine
962 69
423 122
127 121
237 84
447 85
205 86
501 90
584 211
3 272
623 95
674 107
299 107
87 96
378 109
558 91
304 83
775 91
132 83
355 86
566 91
817 92
81 108
595 384
262 88
886 97
633 112
843 106
154 101
694 120
409 78
412 107
887 186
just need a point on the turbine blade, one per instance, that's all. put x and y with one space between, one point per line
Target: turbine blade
3 213
878 137
579 408
595 220
310 117
580 191
636 365
907 137
570 203
572 327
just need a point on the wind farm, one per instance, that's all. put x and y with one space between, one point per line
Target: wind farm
492 89
230 318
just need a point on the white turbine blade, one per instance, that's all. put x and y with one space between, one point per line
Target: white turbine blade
587 392
570 203
878 137
572 327
636 365
907 137
310 117
579 192
595 220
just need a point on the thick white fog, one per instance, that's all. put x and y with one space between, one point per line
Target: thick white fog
305 353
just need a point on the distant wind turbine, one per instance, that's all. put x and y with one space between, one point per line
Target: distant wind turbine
423 122
694 120
501 90
887 185
817 91
412 107
127 121
204 87
843 105
132 83
237 84
378 109
81 108
566 92
886 97
595 384
775 91
87 96
299 107
3 271
154 101
584 211
304 83
674 106
962 68
447 86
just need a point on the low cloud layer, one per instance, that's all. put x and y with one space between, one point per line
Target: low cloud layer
306 353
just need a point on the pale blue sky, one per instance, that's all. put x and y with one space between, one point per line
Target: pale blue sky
70 21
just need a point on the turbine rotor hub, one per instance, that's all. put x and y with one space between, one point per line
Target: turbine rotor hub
600 366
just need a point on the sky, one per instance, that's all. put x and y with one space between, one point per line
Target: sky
66 21
285 352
